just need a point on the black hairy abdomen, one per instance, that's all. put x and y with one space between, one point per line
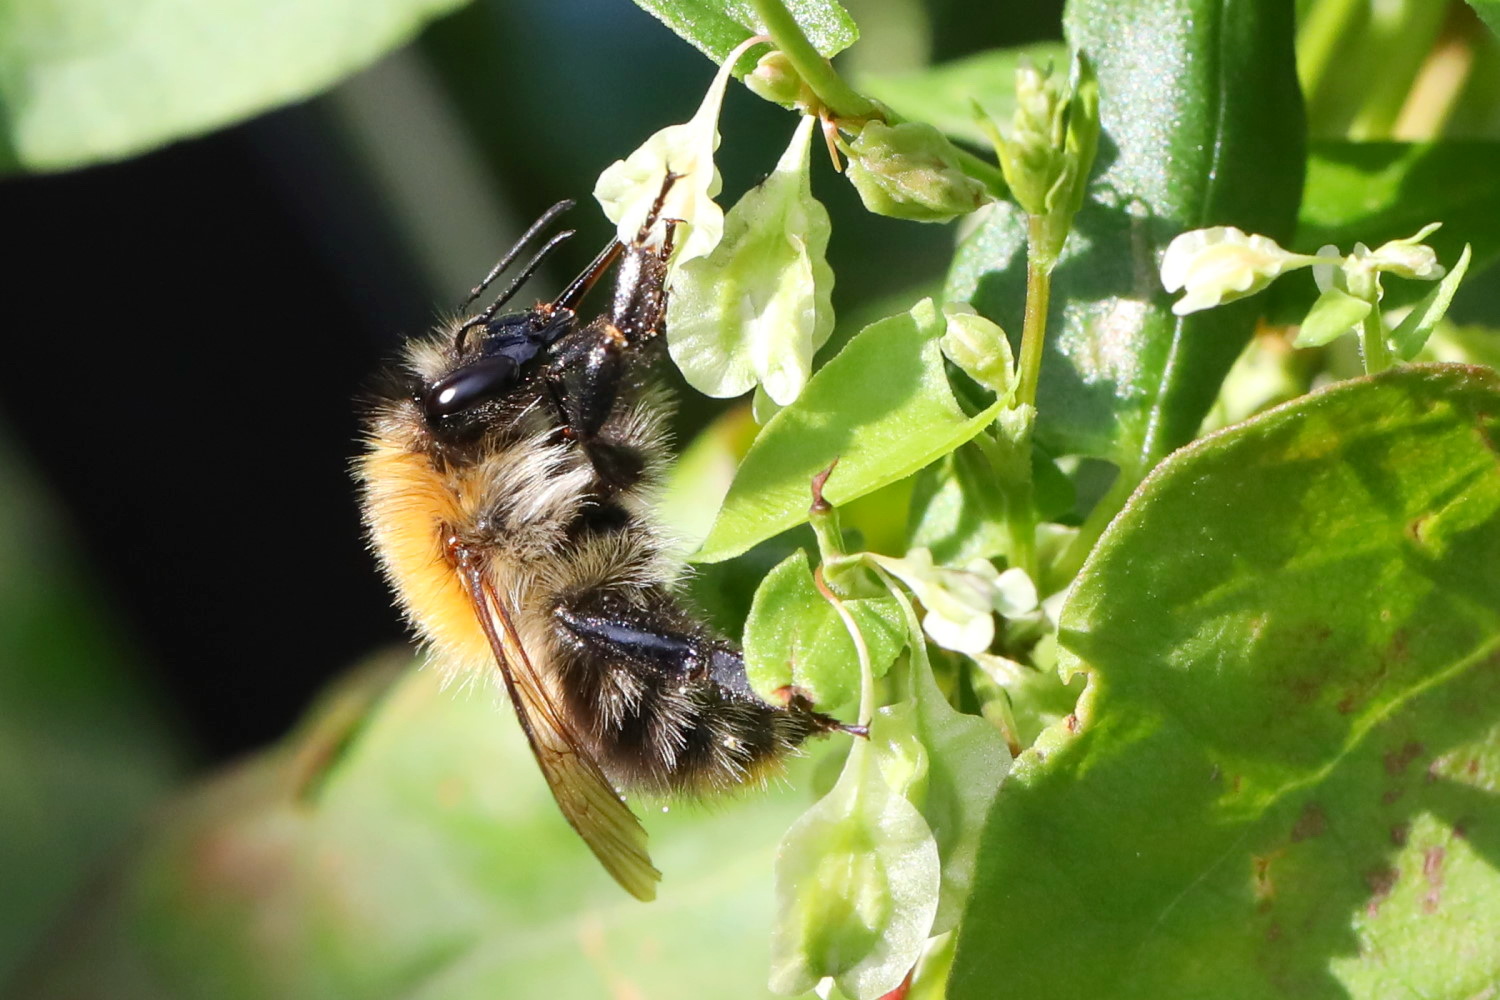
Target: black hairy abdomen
665 706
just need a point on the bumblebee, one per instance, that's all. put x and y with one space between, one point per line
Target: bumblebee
508 479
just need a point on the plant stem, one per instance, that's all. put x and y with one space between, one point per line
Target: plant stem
1372 343
1013 479
840 98
1034 325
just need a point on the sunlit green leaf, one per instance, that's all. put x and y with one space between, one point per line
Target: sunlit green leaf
717 26
882 408
795 637
1334 314
1202 126
1489 12
1278 780
91 80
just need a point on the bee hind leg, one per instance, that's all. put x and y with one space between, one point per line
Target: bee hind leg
630 634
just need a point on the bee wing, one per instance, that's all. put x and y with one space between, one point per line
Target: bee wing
587 799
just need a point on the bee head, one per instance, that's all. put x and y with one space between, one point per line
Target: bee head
491 365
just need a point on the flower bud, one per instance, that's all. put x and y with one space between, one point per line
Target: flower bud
979 347
910 171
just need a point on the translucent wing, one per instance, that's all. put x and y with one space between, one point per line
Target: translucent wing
587 799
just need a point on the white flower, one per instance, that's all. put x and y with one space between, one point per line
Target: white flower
1222 264
1330 261
756 308
627 188
1407 260
960 603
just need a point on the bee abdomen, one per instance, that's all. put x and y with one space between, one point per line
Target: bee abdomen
667 707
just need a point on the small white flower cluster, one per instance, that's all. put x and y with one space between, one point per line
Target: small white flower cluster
1222 264
961 602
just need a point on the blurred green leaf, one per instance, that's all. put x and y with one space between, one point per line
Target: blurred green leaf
943 96
1371 192
1202 126
795 637
83 746
715 27
403 844
882 408
92 80
1282 778
1489 13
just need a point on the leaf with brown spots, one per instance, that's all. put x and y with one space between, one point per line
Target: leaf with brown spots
1285 771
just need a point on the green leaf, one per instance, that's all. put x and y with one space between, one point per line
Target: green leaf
1489 13
882 408
1413 331
715 27
84 749
943 96
1202 126
404 844
1282 778
1372 192
92 80
1334 314
795 637
956 511
857 875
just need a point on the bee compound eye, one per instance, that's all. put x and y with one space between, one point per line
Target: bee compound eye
470 385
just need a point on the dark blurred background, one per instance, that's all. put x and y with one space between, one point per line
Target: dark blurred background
188 330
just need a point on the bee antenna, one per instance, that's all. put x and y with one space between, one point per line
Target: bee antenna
515 285
520 245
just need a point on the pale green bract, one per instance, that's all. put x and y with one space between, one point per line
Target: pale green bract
754 311
858 875
628 188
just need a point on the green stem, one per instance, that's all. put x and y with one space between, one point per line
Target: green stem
840 98
1372 343
843 100
1013 479
1034 325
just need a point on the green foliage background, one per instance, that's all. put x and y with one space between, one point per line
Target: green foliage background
1281 778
